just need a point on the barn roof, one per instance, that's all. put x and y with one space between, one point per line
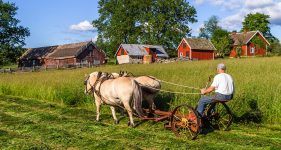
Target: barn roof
139 49
68 50
244 37
37 53
200 44
58 51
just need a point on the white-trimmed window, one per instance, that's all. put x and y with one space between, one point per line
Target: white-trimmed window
253 49
181 54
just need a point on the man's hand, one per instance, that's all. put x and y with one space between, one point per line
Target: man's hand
208 90
203 91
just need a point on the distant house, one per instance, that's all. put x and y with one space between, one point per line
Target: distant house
196 48
138 53
248 48
84 53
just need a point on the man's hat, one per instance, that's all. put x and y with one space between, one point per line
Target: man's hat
221 66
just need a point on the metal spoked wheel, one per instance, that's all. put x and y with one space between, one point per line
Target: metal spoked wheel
185 122
219 116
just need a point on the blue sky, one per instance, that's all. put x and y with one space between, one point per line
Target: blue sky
53 22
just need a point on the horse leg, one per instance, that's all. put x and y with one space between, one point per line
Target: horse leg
98 106
150 101
114 114
130 113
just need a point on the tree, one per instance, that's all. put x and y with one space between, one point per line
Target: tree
275 47
12 35
259 42
222 41
162 22
209 27
258 21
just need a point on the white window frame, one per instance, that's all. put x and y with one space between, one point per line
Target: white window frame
181 54
253 50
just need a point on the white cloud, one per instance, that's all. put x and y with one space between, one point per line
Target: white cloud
258 4
199 2
269 7
95 38
82 26
227 4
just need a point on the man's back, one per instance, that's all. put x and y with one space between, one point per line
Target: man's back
223 84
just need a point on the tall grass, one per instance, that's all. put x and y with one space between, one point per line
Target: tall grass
256 79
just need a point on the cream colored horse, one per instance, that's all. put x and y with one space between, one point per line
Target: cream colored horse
120 92
150 86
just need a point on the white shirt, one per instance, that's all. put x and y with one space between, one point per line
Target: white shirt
223 84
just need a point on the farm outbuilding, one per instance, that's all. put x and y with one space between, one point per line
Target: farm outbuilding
68 55
138 53
35 56
244 41
196 49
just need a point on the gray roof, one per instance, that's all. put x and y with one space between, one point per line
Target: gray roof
58 51
139 49
38 53
200 44
68 50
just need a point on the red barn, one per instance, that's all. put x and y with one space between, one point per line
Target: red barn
196 48
84 53
248 48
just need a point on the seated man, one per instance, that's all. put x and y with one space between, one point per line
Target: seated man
223 86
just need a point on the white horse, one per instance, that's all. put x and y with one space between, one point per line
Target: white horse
120 92
150 86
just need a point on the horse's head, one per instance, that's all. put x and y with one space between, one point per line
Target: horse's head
90 81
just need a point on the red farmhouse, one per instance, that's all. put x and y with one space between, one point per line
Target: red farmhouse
138 53
196 48
248 48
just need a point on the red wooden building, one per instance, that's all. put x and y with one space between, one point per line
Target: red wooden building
248 48
196 49
68 55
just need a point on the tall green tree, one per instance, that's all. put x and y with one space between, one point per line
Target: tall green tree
209 27
258 21
162 22
275 47
12 35
222 41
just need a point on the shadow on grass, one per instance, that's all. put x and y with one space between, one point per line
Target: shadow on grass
163 101
254 115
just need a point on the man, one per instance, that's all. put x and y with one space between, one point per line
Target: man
223 87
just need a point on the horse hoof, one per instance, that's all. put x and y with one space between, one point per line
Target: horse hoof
133 125
116 121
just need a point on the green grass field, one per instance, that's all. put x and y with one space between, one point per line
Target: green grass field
35 124
48 109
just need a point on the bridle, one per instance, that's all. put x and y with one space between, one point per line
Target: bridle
92 89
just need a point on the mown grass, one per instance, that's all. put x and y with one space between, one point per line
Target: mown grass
36 124
257 82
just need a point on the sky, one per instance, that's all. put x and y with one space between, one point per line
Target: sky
53 22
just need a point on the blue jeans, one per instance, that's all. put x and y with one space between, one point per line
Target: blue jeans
204 100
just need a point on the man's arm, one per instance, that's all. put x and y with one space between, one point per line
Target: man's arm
208 90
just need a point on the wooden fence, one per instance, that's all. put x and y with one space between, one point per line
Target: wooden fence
44 68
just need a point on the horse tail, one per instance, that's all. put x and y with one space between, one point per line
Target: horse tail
137 98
